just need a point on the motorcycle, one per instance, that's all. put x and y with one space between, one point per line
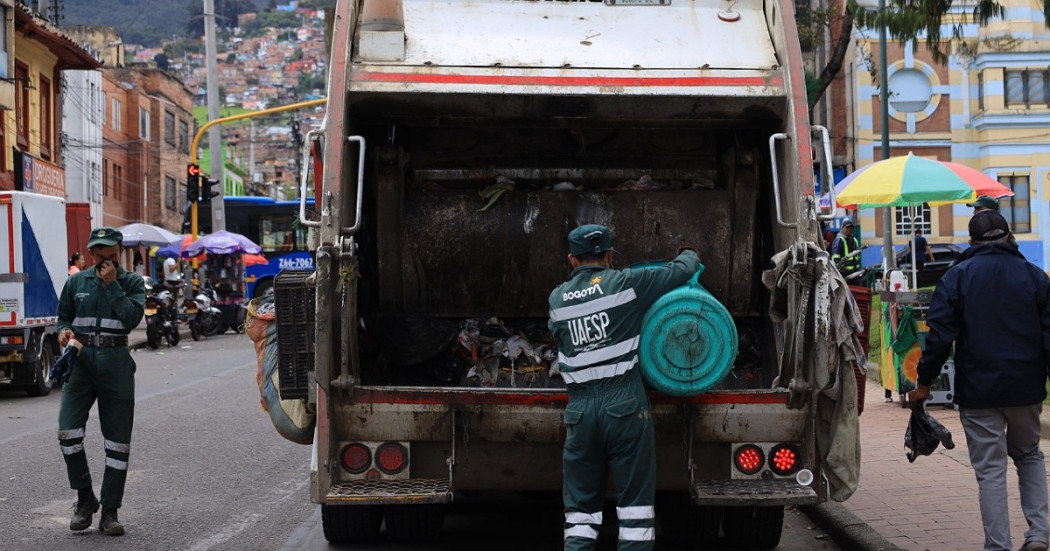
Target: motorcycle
203 317
162 318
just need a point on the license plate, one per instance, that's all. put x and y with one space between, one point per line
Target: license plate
151 311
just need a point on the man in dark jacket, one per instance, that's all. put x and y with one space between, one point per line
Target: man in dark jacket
596 318
995 307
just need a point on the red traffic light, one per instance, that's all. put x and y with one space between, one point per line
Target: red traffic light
193 170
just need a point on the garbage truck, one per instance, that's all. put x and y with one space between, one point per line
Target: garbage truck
33 270
463 140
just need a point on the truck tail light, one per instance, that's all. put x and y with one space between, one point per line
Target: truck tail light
14 339
391 457
783 459
357 458
749 458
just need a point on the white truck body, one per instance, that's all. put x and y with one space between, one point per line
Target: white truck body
33 270
567 107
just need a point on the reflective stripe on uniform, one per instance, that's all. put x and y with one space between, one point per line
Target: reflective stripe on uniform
584 518
581 531
75 448
598 372
117 464
70 434
592 306
637 534
104 323
602 354
637 512
118 447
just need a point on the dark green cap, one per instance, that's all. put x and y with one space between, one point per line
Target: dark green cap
105 237
985 201
590 239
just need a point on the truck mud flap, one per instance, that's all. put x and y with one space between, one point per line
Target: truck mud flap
743 493
390 492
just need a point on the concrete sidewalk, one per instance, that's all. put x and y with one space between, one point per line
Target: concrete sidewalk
930 504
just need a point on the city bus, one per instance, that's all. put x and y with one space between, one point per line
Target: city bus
271 224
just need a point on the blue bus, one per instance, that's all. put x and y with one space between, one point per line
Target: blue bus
271 224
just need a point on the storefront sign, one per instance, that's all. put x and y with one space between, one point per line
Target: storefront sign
38 176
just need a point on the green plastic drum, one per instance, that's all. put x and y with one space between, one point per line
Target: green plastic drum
688 341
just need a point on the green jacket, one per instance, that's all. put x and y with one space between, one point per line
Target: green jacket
85 306
596 316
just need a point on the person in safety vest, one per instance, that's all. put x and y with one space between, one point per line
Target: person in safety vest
98 308
845 243
596 318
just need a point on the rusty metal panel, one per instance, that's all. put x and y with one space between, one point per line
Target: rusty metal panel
504 261
749 423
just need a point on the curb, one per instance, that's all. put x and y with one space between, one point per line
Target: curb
846 529
142 344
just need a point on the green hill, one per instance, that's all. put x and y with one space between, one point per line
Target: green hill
149 23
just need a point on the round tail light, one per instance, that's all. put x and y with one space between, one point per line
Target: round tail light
783 459
391 457
749 459
357 458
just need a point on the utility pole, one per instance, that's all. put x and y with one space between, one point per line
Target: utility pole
888 257
218 220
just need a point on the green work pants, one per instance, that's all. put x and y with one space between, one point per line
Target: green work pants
609 429
108 375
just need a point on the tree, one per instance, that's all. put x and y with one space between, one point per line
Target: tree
905 20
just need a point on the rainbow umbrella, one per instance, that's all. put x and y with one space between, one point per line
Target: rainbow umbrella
910 180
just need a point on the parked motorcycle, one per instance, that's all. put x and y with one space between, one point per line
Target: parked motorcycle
162 317
203 317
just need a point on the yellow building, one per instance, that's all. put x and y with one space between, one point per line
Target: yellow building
987 108
35 54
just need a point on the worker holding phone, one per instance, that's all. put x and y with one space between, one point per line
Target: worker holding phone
98 308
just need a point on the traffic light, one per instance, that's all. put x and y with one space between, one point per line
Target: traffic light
193 183
206 189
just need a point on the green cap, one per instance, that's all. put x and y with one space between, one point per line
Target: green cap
590 239
105 237
985 202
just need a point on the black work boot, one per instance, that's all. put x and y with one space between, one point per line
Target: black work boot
85 507
108 524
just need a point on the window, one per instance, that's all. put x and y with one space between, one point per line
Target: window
184 137
169 128
47 131
105 178
143 124
170 192
105 100
1016 209
6 16
279 233
21 107
118 181
1028 87
118 121
980 90
902 217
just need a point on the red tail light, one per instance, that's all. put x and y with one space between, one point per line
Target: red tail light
391 457
783 459
749 459
357 458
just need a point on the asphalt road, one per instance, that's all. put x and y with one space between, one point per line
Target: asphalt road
208 471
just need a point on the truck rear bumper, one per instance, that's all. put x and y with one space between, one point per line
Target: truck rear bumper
752 492
390 492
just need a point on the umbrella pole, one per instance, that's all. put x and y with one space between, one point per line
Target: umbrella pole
914 266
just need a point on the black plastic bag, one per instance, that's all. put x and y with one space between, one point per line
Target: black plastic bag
924 433
64 365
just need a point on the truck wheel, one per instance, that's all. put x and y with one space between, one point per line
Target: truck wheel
42 371
414 523
685 524
753 527
351 523
263 289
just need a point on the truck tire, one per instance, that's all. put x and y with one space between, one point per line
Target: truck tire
263 289
351 523
753 527
685 524
414 523
41 369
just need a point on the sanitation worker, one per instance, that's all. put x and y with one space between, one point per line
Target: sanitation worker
845 242
596 318
98 308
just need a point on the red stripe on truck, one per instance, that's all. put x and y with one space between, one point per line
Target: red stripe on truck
431 78
559 399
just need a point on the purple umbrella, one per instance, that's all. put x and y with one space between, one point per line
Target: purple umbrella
221 242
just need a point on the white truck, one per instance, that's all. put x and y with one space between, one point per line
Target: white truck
33 270
463 140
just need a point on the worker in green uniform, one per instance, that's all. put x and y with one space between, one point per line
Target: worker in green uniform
596 319
98 308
